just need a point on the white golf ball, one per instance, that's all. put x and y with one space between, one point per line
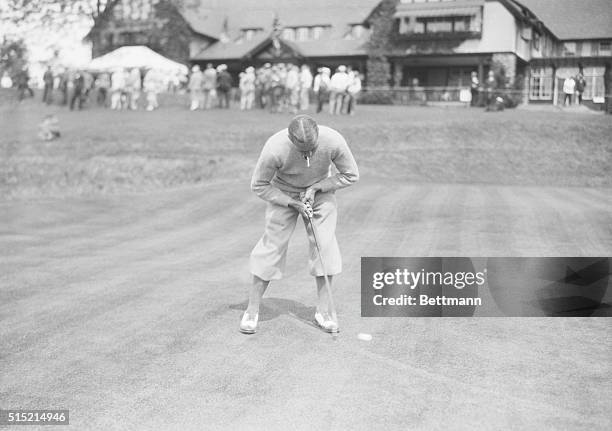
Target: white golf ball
364 337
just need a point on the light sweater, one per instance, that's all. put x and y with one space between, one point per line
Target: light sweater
340 81
282 167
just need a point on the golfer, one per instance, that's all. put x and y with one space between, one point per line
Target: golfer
294 175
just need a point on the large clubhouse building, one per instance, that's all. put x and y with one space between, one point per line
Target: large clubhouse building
437 43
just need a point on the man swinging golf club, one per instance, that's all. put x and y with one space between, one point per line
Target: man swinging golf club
294 176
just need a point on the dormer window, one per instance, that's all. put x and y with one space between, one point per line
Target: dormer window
301 33
250 33
317 31
357 30
288 33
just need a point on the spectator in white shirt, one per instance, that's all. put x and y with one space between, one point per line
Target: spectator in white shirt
569 86
305 85
321 87
339 84
353 91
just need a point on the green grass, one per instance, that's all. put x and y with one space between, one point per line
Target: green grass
112 152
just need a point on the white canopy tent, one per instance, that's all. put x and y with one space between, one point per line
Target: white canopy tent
136 56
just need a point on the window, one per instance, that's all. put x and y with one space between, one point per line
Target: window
402 25
594 89
134 9
419 26
301 33
127 10
443 24
145 11
127 38
462 24
536 41
118 11
569 48
317 32
357 31
141 39
288 33
541 84
605 48
250 33
437 25
586 50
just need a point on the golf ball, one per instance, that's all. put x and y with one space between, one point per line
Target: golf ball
364 337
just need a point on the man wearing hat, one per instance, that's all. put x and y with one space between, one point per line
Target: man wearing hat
321 87
294 176
339 83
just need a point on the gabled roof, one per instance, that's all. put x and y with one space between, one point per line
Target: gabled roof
312 48
574 19
214 17
230 50
227 18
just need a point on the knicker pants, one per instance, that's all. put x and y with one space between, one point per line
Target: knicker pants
268 258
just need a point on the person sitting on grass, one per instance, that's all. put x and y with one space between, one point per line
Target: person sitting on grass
49 128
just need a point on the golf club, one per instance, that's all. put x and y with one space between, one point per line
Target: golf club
327 286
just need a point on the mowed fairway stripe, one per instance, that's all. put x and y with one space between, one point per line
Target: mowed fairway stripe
100 281
587 216
564 222
374 219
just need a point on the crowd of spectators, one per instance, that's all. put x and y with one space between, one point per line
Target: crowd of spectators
274 87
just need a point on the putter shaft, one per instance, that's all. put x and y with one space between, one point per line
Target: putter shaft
327 286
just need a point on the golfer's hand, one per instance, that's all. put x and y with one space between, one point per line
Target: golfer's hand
309 194
304 209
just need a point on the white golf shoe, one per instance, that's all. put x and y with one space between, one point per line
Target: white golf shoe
326 323
248 324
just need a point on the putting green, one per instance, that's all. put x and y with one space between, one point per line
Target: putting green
125 310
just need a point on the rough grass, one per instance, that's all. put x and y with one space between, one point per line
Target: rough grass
101 151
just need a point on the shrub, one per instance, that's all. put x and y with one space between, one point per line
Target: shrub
376 97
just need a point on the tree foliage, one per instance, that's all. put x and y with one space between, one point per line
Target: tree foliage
56 12
380 44
52 12
12 56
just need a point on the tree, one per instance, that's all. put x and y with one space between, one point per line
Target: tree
12 56
52 12
382 23
56 12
